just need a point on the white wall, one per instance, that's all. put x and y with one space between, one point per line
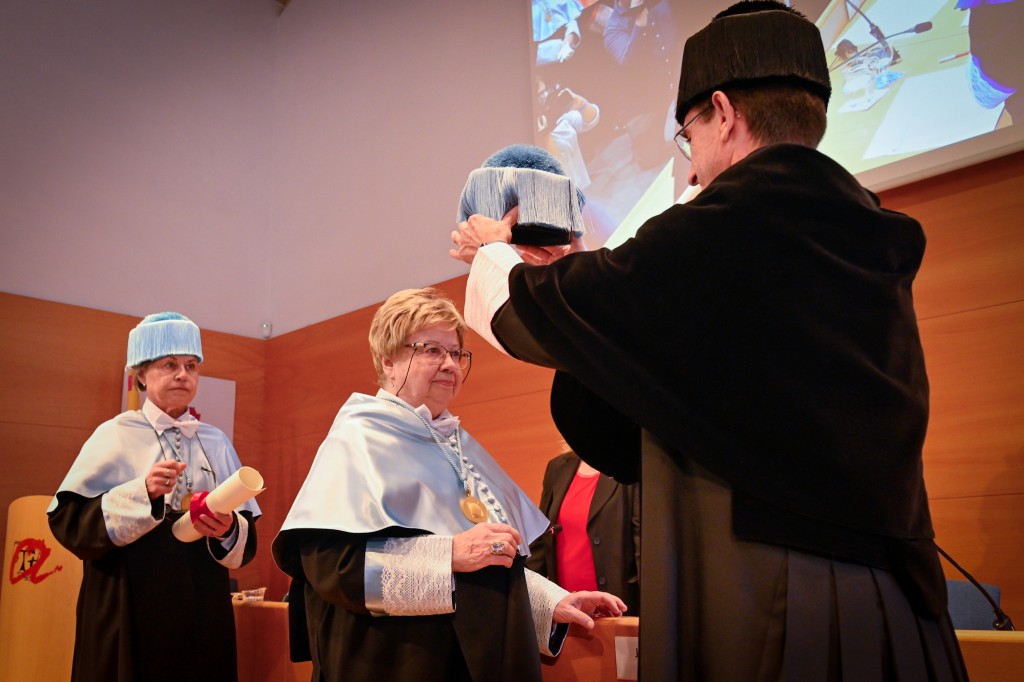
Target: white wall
383 108
240 164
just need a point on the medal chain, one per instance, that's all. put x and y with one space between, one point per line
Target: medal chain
176 451
457 447
459 471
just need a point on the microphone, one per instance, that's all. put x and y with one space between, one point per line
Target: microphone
917 28
873 29
1002 621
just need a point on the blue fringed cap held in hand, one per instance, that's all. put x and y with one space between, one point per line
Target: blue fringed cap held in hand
162 334
550 204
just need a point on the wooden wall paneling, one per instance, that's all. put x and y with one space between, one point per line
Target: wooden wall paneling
519 434
313 370
242 360
288 462
973 221
975 442
69 362
970 306
495 375
983 534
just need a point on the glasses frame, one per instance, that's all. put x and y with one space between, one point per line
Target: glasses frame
684 143
462 358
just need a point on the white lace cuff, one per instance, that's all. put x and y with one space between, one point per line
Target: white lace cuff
544 597
487 288
409 576
128 512
238 536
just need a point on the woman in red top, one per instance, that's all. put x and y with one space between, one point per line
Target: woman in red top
594 539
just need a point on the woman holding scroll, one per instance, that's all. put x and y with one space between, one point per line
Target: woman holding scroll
151 607
407 541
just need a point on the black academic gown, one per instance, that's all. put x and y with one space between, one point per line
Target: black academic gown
762 344
490 636
613 528
155 610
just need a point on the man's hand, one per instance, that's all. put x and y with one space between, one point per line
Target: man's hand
479 230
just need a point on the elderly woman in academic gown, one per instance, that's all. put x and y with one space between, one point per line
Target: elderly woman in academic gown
151 607
407 541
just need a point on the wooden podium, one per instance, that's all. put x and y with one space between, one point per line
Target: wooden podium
261 628
990 656
40 591
590 654
41 580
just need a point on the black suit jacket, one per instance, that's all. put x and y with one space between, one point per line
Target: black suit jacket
613 526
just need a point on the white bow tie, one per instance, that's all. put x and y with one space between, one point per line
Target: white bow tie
446 424
188 428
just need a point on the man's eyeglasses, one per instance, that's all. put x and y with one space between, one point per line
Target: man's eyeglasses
435 354
684 142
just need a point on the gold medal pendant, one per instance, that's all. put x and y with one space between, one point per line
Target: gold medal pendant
473 508
185 500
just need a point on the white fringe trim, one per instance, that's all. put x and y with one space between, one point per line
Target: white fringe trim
544 597
128 512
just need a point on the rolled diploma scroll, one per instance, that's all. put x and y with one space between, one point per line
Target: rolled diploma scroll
241 486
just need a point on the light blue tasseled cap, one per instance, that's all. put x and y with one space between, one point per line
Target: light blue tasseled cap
550 204
162 334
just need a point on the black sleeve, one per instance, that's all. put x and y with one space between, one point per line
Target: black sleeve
78 524
511 332
332 563
218 550
599 434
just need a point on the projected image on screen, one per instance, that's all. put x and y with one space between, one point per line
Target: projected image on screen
919 87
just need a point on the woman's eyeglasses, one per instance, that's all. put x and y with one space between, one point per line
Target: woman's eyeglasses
435 353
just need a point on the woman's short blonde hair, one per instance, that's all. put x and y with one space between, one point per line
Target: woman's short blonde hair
404 314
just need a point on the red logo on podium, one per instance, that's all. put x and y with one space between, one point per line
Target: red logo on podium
27 562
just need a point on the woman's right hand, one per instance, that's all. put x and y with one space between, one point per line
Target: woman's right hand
475 548
162 477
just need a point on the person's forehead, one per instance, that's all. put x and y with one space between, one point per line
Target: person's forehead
181 359
434 333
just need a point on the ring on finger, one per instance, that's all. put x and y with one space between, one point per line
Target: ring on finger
498 547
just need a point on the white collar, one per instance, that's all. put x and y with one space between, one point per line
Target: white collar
162 421
446 423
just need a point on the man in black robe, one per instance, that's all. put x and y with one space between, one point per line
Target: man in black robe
753 356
